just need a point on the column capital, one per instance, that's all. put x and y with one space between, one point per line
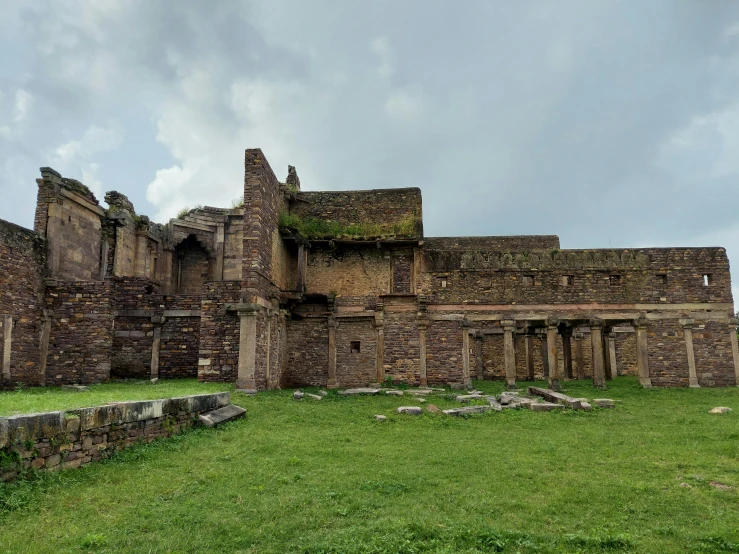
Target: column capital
508 324
244 308
596 323
687 323
552 322
641 323
466 323
158 320
733 322
332 323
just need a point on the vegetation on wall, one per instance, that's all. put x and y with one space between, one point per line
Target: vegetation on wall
315 228
186 211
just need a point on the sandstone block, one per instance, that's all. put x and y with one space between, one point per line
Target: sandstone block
604 402
314 396
394 392
360 390
249 392
467 410
464 398
298 395
545 407
720 410
380 417
410 410
221 415
493 403
432 408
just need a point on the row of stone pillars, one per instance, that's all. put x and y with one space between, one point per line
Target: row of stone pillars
603 353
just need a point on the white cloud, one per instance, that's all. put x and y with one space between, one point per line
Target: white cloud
23 103
405 104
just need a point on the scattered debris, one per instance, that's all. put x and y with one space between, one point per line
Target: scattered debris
720 410
314 396
464 398
298 395
250 392
721 486
545 406
380 417
154 381
394 392
604 402
322 392
467 410
410 410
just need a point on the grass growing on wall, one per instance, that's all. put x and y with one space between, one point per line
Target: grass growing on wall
315 228
49 399
657 474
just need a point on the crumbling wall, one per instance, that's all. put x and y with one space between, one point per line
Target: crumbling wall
349 273
356 352
22 265
519 243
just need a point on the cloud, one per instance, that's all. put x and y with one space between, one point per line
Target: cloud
381 47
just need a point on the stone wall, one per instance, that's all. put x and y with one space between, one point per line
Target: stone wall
356 352
382 207
306 352
712 348
349 272
81 338
525 243
668 359
218 356
22 265
65 440
655 276
444 352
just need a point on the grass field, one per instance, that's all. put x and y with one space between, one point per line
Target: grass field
43 399
656 474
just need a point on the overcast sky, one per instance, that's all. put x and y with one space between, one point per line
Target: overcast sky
606 123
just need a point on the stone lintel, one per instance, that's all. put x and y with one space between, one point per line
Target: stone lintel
246 308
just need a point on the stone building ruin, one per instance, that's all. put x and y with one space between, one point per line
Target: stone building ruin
342 289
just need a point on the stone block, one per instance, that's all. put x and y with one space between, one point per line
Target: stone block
493 403
249 392
410 410
604 402
77 388
221 415
380 417
720 410
360 390
314 396
298 395
394 392
467 410
433 408
465 398
21 428
545 407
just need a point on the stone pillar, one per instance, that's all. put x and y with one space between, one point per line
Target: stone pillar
7 345
422 353
332 324
45 335
466 353
380 355
579 358
268 357
692 372
141 253
552 354
642 356
605 337
479 365
220 251
596 339
509 353
247 347
567 351
612 355
544 354
734 347
155 343
530 357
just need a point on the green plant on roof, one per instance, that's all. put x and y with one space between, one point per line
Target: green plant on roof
315 228
186 211
237 202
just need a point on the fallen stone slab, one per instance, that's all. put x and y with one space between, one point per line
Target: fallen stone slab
604 402
221 415
249 392
464 398
720 410
420 391
154 381
410 410
322 392
360 390
77 388
380 417
394 392
298 395
314 396
467 410
557 397
545 407
493 403
585 406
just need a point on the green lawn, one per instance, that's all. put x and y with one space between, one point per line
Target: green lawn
657 474
48 399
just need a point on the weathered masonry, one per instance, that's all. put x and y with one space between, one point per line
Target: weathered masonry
340 289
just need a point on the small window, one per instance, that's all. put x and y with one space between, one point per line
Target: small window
528 280
354 347
441 282
615 280
661 279
567 280
707 279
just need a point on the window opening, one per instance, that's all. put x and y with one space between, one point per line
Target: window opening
354 347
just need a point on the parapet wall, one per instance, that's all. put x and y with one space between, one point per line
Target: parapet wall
517 243
69 439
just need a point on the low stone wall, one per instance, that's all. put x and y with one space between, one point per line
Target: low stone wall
69 439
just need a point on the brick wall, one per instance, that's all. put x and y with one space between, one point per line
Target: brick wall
402 348
22 263
131 353
306 352
66 440
178 349
537 278
668 358
81 339
378 207
443 352
356 369
359 272
219 332
521 243
713 356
